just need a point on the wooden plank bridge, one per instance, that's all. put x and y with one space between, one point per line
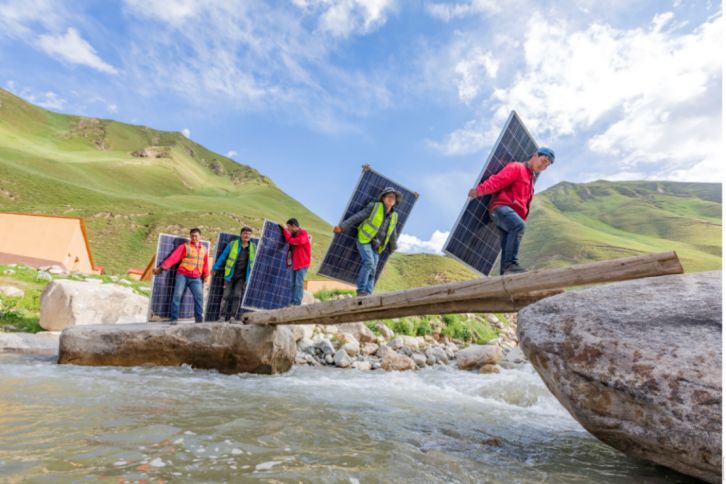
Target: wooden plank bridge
489 294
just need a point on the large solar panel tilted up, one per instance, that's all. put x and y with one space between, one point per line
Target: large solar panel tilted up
342 261
474 239
270 282
162 286
216 285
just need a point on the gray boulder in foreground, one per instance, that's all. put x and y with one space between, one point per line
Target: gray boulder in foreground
228 348
44 343
638 364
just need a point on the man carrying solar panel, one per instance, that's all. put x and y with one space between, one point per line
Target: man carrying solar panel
376 224
193 268
513 189
237 258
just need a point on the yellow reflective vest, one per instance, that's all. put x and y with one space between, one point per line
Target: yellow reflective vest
368 229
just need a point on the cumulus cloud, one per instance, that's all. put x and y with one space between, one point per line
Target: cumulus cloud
641 96
412 244
342 18
72 48
231 154
186 132
46 99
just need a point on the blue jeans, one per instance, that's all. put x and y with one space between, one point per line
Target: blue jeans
369 262
195 285
512 227
298 286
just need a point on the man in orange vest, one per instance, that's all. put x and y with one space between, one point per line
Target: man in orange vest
192 272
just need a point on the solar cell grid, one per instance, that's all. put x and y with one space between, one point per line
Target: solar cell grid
341 260
216 285
475 240
162 286
270 282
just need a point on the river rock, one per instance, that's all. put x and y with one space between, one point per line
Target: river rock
65 303
228 348
396 362
369 349
476 356
45 343
359 331
385 331
352 348
419 359
403 341
638 364
363 365
489 369
11 291
513 358
325 346
308 298
437 354
341 359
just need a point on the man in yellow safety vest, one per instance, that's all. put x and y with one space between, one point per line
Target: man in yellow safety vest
376 225
237 259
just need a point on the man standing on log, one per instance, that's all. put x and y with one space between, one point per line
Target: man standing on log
237 259
298 257
192 273
377 224
513 189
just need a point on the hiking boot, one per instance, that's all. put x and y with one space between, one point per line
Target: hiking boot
514 269
362 293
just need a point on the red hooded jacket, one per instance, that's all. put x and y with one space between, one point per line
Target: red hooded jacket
300 248
513 186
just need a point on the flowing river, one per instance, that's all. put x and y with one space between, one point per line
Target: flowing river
62 423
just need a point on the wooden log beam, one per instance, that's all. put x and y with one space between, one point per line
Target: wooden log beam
453 307
500 288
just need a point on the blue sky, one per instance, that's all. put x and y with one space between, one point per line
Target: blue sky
306 91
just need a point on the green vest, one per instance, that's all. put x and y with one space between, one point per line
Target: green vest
369 227
232 258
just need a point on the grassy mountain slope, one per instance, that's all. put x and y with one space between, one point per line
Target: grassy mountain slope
130 183
575 223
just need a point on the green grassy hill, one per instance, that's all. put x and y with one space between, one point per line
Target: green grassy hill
574 223
131 183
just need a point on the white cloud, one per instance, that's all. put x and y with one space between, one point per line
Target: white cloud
342 18
186 132
450 11
231 154
17 15
412 244
648 99
251 55
112 108
72 48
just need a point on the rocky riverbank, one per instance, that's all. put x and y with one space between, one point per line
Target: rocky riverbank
357 346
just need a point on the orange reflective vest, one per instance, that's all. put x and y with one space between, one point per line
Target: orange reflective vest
193 258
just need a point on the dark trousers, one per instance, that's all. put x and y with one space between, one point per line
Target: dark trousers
512 227
231 298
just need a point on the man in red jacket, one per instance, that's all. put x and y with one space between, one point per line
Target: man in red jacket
192 272
298 257
513 189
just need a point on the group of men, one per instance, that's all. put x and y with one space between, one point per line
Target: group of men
191 260
376 227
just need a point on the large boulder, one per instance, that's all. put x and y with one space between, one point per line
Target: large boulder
476 356
66 303
359 331
638 364
228 348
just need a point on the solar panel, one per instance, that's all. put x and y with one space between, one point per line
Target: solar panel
475 240
342 261
216 285
270 282
162 286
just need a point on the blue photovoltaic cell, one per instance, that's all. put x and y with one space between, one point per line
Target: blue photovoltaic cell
162 286
475 240
216 286
270 282
342 261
